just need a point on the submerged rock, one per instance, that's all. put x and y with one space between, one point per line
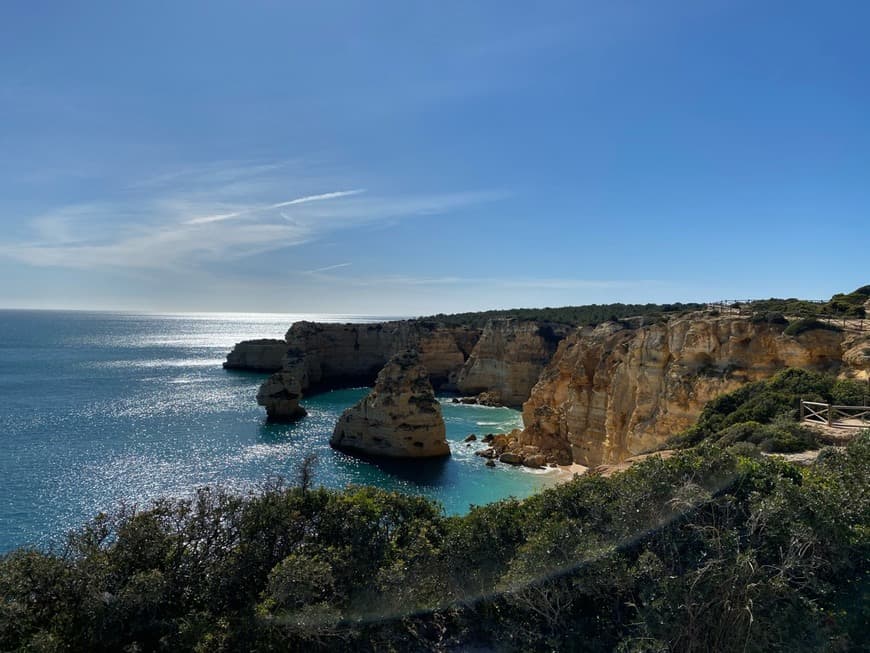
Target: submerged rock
399 418
280 395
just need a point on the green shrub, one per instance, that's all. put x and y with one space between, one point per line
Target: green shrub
588 315
775 400
768 317
783 436
744 449
809 324
849 393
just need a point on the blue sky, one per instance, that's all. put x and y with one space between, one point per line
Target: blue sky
410 157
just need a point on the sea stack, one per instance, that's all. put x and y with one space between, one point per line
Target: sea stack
280 395
399 418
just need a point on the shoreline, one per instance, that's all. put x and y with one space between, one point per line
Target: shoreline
565 473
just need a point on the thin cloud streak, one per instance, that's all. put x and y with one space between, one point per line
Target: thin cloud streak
299 200
318 198
329 267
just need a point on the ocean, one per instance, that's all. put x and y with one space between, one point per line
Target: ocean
103 409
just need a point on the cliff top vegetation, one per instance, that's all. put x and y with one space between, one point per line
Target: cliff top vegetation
588 315
840 305
764 414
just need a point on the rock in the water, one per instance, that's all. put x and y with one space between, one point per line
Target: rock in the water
483 399
280 395
511 458
400 417
470 438
490 463
535 461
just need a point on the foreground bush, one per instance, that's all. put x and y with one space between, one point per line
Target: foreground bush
705 551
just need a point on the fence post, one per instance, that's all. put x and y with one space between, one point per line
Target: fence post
802 410
830 416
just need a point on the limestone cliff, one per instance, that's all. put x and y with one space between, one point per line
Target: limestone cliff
509 358
399 418
324 356
503 361
857 357
614 391
265 355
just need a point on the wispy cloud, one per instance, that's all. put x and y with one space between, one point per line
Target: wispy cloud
270 207
183 219
329 267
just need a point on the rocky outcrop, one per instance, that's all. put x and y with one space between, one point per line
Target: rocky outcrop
857 357
506 447
400 417
615 391
326 356
499 364
280 395
265 355
509 358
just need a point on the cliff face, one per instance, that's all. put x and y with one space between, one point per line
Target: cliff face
325 356
611 392
857 358
264 355
400 417
509 358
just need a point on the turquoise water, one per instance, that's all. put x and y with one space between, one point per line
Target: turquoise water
102 408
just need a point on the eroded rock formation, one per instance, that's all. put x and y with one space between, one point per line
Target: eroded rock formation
399 418
265 355
614 391
857 358
501 364
509 358
280 395
325 356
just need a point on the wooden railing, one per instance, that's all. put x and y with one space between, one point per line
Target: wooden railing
856 417
745 307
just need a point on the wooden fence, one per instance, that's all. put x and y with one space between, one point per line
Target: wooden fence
745 307
856 417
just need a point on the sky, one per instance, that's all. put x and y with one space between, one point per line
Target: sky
408 158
